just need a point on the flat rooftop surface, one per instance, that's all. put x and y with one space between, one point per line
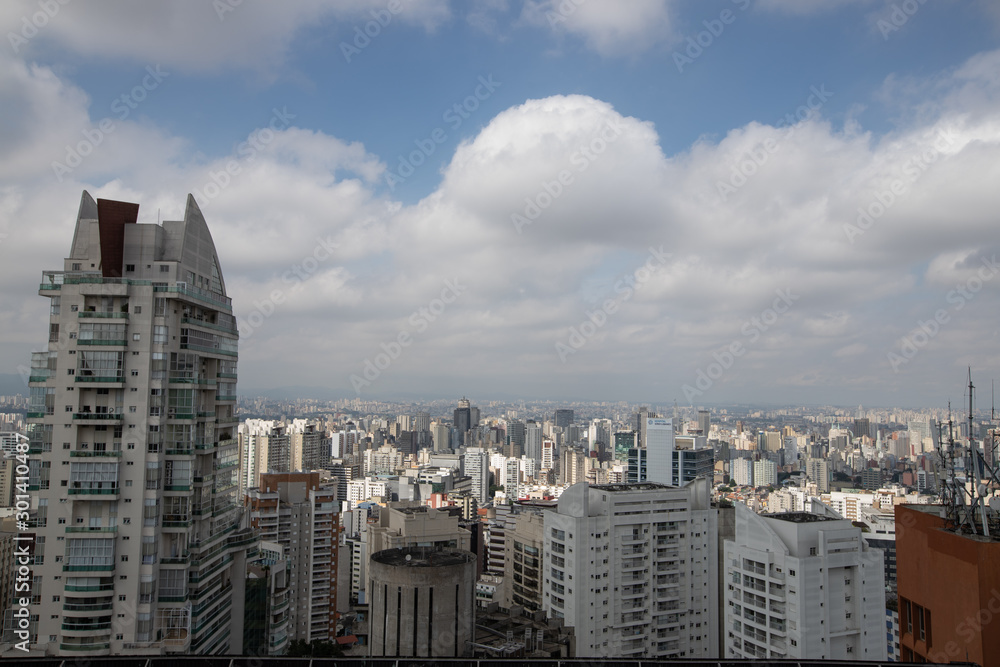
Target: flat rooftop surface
417 557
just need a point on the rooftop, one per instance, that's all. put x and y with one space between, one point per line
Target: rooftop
638 486
422 557
800 517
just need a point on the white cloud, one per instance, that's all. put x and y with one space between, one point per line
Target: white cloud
782 229
609 28
200 35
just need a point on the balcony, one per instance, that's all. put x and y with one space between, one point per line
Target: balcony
91 529
85 647
87 314
86 453
101 341
90 491
106 379
98 417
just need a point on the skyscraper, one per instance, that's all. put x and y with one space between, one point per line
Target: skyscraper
659 443
563 418
134 474
704 421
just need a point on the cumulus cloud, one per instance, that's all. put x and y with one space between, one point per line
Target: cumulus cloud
555 208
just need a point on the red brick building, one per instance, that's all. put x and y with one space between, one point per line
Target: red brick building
949 590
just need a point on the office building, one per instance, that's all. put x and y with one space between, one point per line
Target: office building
477 467
634 569
409 524
296 511
704 422
658 441
802 585
132 434
563 418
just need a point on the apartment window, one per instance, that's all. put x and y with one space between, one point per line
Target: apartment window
164 268
130 268
135 336
921 629
812 551
908 614
137 310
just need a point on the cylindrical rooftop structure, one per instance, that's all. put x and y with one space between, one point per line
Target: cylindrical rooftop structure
422 602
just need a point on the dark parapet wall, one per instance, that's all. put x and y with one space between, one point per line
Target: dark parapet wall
112 216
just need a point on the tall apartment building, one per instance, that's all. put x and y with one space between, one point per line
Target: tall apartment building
310 446
765 473
132 433
476 465
802 585
818 471
265 446
524 540
296 511
634 569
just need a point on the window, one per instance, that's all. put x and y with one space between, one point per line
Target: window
921 629
135 336
130 268
812 551
137 310
164 268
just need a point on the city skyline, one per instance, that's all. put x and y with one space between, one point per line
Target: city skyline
713 203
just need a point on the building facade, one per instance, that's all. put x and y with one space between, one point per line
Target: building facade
802 585
634 569
134 456
298 512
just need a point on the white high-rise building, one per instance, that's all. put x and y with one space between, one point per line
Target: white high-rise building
765 473
742 471
658 439
634 569
802 585
132 433
477 467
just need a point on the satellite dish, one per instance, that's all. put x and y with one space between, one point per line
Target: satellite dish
995 504
408 557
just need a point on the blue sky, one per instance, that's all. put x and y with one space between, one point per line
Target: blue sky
908 97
